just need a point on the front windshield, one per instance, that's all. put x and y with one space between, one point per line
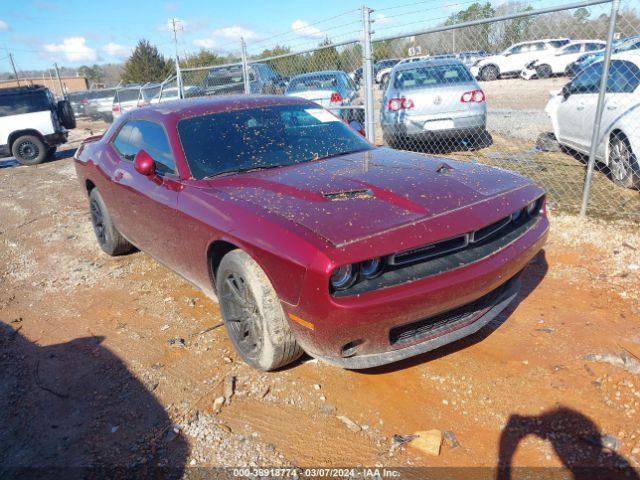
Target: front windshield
278 135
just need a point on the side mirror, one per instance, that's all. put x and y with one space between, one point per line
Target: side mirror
357 126
144 164
566 91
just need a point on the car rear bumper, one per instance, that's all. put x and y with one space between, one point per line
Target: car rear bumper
375 328
458 126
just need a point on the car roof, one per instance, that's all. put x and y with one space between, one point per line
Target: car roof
427 62
176 110
22 90
542 40
317 74
631 55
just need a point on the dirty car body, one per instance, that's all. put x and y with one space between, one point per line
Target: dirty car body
375 255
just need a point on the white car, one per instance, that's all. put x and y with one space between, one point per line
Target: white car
514 58
557 62
572 112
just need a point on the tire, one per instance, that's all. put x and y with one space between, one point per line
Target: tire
66 115
623 163
108 237
252 314
544 71
489 73
29 150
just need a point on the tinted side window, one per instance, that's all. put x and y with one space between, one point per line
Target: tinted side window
537 46
590 47
28 102
122 143
589 80
575 48
148 136
624 77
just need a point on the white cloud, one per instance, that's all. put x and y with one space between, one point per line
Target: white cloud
303 29
115 50
183 26
382 19
73 49
206 43
4 25
225 36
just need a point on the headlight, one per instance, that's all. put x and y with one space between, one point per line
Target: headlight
343 277
371 268
535 207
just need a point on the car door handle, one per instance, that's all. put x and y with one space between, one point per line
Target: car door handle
612 107
118 175
580 107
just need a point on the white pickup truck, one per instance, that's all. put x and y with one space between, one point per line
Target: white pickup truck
32 124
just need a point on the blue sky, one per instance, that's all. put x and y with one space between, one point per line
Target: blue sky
77 32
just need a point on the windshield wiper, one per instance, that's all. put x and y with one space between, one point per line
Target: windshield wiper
243 170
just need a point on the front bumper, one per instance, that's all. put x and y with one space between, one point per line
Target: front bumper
376 323
453 328
528 73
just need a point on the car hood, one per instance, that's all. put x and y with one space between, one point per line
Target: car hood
356 196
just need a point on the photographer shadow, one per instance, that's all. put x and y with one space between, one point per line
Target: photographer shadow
73 410
576 440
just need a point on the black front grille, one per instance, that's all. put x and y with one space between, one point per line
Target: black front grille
430 327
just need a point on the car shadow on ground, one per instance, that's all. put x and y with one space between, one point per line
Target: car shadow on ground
73 410
530 279
446 146
576 440
60 155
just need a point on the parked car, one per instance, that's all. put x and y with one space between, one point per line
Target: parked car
32 123
513 59
470 58
557 62
572 112
311 238
333 89
147 93
99 104
382 66
432 100
77 101
125 99
229 80
623 45
171 93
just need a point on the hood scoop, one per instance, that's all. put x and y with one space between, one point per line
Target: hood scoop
444 168
349 195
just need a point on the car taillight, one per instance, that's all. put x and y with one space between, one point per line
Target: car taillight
474 96
336 98
395 104
115 108
84 102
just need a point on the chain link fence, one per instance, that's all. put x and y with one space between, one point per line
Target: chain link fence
524 90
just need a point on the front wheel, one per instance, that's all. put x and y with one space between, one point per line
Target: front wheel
489 73
252 313
544 71
107 235
623 163
29 150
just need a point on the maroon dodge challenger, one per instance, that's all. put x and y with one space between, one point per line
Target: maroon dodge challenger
312 239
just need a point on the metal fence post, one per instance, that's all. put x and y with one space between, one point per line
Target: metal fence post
62 92
367 74
595 136
245 67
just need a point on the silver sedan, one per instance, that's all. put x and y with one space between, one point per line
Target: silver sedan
432 100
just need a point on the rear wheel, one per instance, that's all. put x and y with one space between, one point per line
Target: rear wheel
29 150
252 313
489 73
623 163
107 235
544 71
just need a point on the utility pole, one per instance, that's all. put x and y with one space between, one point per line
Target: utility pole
174 26
245 67
62 92
13 65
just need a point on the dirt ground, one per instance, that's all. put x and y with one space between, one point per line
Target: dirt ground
118 361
